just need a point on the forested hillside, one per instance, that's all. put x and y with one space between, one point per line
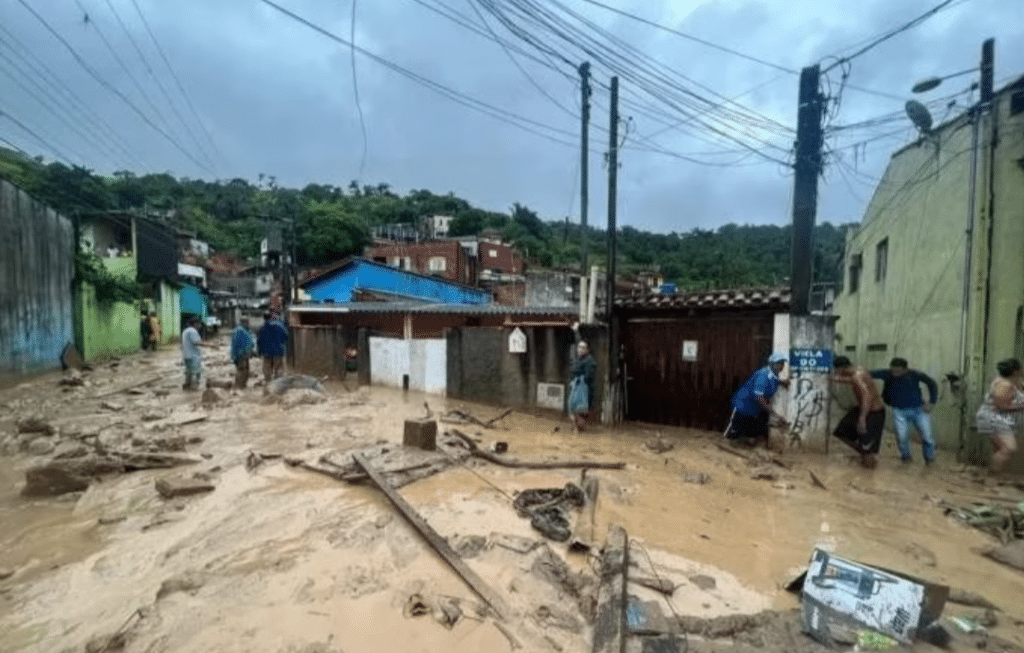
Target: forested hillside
331 222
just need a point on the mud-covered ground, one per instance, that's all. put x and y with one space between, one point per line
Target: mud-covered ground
278 558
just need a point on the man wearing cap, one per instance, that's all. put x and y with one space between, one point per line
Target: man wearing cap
752 403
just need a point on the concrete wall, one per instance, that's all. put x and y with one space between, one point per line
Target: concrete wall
481 368
36 271
422 361
921 207
103 330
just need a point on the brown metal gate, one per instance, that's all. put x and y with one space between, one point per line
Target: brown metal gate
665 389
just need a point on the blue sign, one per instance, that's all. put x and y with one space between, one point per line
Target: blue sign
810 360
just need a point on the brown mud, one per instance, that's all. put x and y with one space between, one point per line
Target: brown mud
280 559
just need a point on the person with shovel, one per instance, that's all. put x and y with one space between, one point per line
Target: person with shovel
752 404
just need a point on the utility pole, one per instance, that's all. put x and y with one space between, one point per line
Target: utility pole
805 188
613 177
584 170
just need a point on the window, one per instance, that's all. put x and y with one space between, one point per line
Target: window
881 260
437 264
856 262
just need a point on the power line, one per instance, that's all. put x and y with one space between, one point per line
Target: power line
355 88
888 35
27 130
102 129
109 86
177 81
691 37
159 84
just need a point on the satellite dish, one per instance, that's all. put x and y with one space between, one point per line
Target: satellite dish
920 116
926 84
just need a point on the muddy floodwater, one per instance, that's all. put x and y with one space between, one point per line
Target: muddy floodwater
280 559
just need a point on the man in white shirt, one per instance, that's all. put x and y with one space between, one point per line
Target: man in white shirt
192 355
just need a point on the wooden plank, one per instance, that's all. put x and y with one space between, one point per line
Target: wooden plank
610 623
438 543
583 537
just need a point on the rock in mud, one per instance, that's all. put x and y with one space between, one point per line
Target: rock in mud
659 444
62 476
210 397
295 398
35 424
697 478
67 450
189 582
170 488
764 473
40 446
704 582
293 382
469 546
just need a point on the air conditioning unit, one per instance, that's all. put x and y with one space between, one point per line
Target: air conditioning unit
551 395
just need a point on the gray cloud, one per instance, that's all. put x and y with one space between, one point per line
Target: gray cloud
277 98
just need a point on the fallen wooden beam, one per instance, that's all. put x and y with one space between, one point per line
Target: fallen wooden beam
491 421
610 622
583 537
438 543
817 482
541 464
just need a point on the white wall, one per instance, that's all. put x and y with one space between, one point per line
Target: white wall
425 360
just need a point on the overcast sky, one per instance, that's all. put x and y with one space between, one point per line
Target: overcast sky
277 97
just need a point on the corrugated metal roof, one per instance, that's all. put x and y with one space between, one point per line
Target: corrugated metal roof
418 307
736 299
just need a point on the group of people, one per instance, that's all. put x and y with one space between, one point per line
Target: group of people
269 344
149 330
861 427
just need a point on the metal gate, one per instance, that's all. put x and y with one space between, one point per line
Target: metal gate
691 388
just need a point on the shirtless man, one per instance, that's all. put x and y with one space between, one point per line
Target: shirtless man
861 427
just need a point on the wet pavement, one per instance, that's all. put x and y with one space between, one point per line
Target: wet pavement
281 559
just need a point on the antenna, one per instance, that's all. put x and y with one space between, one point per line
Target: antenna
920 116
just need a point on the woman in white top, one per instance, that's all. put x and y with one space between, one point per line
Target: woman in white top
1001 412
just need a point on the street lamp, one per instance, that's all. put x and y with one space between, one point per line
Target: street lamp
929 83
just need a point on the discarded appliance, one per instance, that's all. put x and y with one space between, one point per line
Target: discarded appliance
841 596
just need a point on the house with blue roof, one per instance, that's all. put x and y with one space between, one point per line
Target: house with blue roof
354 277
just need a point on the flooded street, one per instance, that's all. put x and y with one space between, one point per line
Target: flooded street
278 558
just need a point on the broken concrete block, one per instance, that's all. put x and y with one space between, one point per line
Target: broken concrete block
420 433
188 582
35 424
62 476
40 446
182 487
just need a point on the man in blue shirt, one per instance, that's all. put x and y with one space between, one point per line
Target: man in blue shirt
752 403
902 391
270 342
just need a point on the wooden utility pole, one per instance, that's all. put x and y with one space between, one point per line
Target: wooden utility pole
805 188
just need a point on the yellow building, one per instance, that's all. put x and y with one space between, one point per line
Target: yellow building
906 293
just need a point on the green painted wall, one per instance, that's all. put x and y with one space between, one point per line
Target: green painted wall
169 312
921 207
104 330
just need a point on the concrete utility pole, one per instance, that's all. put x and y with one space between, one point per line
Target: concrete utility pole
584 160
613 180
805 188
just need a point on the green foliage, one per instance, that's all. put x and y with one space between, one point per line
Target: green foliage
109 287
330 222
